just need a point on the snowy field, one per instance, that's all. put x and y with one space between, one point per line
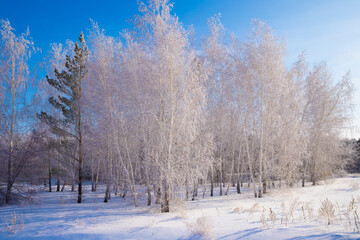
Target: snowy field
286 213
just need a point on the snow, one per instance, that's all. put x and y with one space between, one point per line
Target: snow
56 215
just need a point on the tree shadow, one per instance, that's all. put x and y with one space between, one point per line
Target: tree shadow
242 234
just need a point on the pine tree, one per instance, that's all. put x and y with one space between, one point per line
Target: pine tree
69 85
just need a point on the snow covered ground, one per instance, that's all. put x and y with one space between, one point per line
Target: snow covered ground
286 213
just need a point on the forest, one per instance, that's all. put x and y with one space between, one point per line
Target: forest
159 112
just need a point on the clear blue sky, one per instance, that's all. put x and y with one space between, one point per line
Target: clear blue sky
326 29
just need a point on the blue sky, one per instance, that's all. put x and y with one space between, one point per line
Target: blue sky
328 30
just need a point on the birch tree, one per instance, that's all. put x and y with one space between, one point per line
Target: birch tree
176 78
327 112
217 86
15 117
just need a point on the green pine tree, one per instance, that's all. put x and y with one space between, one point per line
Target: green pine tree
68 102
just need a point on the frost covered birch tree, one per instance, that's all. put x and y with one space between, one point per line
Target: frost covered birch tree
327 111
16 120
218 89
176 78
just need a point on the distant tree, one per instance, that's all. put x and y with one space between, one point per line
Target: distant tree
350 157
357 156
69 83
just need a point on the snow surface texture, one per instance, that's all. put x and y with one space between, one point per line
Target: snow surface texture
294 215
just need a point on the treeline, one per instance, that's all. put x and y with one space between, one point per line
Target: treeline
155 110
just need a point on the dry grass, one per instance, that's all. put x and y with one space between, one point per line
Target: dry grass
354 185
292 207
182 213
309 210
263 219
272 217
284 216
327 211
255 208
238 209
352 222
15 223
203 228
356 222
268 221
